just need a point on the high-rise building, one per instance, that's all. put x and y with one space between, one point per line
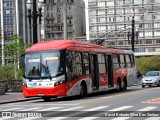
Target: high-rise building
64 18
12 21
112 21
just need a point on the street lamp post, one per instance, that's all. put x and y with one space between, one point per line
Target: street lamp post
133 33
34 16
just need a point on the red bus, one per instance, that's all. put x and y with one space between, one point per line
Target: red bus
69 67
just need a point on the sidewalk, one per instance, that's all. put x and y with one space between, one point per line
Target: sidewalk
14 97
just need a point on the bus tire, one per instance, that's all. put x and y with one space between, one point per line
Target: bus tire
83 90
119 85
143 86
46 99
125 85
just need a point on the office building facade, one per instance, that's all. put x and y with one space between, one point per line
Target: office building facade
62 16
111 20
12 21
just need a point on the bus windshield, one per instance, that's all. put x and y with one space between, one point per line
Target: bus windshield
44 64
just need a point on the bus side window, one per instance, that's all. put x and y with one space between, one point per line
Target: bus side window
115 61
78 64
128 61
101 63
69 66
132 60
122 61
86 63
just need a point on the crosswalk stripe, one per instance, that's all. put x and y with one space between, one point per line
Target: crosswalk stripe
120 108
121 118
30 109
143 109
29 118
71 108
57 118
82 112
47 109
74 108
96 108
147 108
153 118
116 109
88 118
6 118
11 109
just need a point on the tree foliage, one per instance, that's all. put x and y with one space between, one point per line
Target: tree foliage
145 64
12 52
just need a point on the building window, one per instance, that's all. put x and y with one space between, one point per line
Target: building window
102 19
139 49
102 28
92 12
101 12
92 20
150 49
92 4
111 3
101 4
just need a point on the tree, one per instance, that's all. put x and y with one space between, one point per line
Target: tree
13 51
145 64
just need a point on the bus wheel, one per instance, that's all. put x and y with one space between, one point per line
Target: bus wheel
119 85
46 99
82 92
143 86
124 85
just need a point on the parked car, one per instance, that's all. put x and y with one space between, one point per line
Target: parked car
151 78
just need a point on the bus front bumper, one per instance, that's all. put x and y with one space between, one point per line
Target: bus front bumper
40 92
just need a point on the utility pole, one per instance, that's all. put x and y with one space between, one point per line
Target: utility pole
133 34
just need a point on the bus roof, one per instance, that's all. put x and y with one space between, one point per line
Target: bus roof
69 44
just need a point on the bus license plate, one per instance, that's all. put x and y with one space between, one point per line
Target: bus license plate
40 94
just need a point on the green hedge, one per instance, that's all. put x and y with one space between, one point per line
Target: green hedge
145 64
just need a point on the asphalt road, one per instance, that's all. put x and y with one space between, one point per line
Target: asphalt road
135 103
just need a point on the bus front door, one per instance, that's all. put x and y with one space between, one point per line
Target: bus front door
94 71
109 70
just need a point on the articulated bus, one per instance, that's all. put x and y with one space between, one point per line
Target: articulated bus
68 67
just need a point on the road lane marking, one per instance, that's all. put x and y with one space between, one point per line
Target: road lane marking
71 108
155 100
153 118
82 112
41 105
96 108
147 109
11 109
121 118
31 109
49 109
89 118
121 108
143 109
57 118
57 112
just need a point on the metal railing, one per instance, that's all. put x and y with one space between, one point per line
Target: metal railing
11 85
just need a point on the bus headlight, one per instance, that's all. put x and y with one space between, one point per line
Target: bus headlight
24 84
59 82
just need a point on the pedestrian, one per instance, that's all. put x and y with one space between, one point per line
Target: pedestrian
139 76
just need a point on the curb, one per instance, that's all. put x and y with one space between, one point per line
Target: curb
21 100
